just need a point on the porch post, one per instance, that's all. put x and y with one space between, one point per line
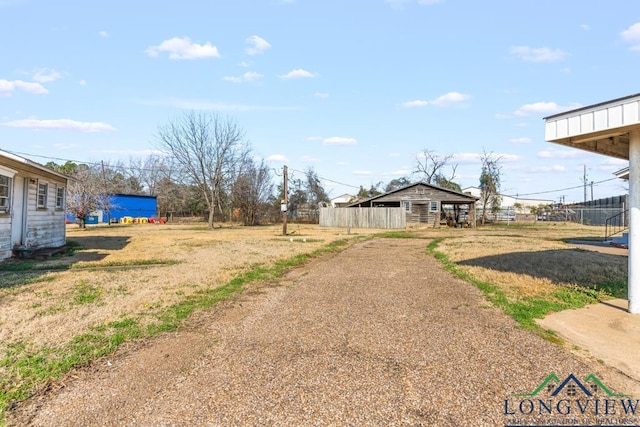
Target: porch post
634 222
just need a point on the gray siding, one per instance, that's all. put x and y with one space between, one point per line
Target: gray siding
45 226
26 226
385 218
5 236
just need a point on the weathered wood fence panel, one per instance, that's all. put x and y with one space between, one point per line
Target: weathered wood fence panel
363 217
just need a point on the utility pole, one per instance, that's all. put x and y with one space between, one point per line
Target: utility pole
584 181
592 191
106 197
285 200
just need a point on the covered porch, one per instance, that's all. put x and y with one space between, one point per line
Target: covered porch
611 128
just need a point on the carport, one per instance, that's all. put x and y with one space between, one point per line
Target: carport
611 128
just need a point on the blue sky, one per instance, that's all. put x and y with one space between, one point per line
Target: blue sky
353 88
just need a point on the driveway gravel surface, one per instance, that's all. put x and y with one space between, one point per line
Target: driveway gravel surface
378 334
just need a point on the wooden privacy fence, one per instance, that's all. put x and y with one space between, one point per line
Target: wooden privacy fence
363 217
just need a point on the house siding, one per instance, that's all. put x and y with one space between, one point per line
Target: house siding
419 196
26 226
5 236
45 226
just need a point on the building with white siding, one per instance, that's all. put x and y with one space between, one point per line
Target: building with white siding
32 204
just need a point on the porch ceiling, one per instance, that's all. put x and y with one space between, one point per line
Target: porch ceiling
600 128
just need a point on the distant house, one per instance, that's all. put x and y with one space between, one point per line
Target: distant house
426 204
342 201
622 173
32 203
507 205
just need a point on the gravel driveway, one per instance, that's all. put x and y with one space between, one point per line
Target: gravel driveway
379 334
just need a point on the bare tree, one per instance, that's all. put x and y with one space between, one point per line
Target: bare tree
85 193
252 190
431 166
490 176
209 149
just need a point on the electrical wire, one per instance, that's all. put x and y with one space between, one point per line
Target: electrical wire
290 178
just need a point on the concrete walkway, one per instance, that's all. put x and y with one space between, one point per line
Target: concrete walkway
606 330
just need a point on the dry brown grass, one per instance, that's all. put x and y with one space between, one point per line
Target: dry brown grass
52 307
531 261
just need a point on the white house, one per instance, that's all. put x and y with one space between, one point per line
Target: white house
509 201
32 202
342 201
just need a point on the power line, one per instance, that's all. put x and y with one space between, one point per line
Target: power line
329 180
294 170
563 189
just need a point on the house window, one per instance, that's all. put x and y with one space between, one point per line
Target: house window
434 206
407 206
59 197
5 194
43 189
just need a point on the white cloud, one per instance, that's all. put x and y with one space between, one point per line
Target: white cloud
309 159
103 33
244 64
249 76
585 27
543 108
547 169
82 82
277 158
428 2
399 172
339 140
501 116
394 154
341 163
467 158
449 99
322 95
184 48
632 36
60 124
416 103
257 45
298 74
46 75
61 146
361 172
7 87
538 54
553 153
612 165
619 163
522 140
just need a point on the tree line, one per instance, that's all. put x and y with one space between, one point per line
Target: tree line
205 166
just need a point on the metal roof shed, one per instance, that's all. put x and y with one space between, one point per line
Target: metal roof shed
611 128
